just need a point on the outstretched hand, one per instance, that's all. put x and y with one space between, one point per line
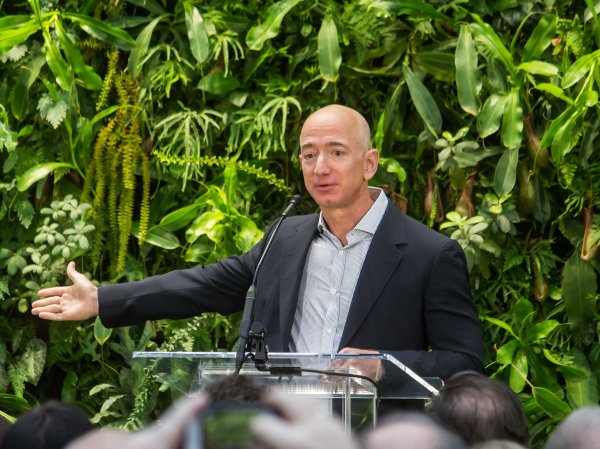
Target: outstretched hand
73 303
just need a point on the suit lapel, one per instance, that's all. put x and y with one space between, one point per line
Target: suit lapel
384 255
293 256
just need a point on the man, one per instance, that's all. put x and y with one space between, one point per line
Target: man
358 277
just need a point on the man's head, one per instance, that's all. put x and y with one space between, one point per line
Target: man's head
411 430
581 430
480 409
337 160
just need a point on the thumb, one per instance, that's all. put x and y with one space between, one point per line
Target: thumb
73 274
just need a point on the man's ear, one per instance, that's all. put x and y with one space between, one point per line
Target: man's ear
371 163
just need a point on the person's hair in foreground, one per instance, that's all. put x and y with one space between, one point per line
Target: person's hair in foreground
580 430
235 388
52 425
410 430
479 409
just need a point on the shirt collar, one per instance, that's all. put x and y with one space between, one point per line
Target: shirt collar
370 221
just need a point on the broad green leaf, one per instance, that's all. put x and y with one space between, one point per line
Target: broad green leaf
512 121
162 237
539 68
556 124
541 37
330 56
269 28
553 89
580 68
134 63
197 34
551 404
467 74
101 333
203 225
519 370
485 35
578 290
57 64
440 65
14 32
91 80
490 118
506 171
540 331
423 101
40 171
100 30
506 352
9 23
501 324
247 235
217 83
180 218
28 75
583 391
13 403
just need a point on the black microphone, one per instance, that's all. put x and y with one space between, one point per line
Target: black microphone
248 314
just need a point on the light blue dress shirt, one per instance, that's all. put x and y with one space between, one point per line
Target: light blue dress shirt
329 279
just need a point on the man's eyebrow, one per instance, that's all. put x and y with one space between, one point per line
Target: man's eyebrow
331 143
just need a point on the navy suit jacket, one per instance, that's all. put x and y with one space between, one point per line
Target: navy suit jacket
412 298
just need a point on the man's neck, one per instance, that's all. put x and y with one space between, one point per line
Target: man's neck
341 221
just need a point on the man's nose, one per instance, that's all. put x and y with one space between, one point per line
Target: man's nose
322 164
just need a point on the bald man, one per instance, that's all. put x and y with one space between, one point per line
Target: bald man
359 276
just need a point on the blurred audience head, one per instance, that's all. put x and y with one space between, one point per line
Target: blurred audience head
498 444
235 388
480 409
411 430
4 426
52 425
580 430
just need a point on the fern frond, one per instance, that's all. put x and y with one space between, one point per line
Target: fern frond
242 166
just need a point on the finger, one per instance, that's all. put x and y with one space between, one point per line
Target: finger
46 302
52 291
51 316
172 424
52 308
275 433
293 408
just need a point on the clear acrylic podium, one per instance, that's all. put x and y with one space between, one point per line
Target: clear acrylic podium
338 391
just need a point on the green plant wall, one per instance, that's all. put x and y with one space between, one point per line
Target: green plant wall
173 127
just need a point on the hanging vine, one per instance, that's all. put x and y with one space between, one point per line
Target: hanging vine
111 174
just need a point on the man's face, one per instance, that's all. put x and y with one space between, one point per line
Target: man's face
336 165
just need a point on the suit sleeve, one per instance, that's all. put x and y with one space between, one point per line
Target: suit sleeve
220 287
451 322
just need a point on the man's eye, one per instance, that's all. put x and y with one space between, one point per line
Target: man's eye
308 156
338 153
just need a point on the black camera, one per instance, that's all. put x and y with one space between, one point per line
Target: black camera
224 425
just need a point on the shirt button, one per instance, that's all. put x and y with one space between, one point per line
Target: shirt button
332 291
341 252
329 331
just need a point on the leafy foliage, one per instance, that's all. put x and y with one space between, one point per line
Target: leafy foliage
486 115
